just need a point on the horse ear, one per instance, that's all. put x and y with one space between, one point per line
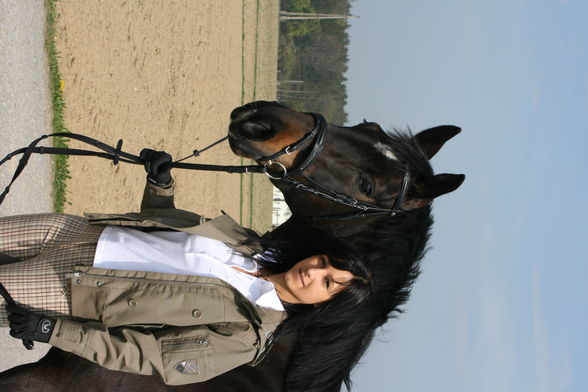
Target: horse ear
431 140
423 193
438 185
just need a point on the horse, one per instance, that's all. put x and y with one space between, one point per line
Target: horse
369 187
360 183
357 168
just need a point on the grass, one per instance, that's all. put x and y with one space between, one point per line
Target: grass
242 160
56 89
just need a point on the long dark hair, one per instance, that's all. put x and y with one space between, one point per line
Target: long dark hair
280 255
331 339
321 333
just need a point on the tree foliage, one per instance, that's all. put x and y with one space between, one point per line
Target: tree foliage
313 59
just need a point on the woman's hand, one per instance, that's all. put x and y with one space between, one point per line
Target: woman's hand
158 167
29 326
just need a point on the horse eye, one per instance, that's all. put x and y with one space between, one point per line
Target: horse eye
366 186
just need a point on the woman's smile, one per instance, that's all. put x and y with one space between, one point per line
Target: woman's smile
301 277
311 281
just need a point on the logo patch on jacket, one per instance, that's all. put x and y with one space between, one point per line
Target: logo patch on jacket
187 366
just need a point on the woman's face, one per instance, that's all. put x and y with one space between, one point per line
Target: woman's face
314 280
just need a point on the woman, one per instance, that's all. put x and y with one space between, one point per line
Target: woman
141 311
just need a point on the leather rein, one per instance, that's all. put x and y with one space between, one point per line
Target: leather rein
273 169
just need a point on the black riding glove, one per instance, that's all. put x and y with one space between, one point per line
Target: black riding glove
158 166
29 326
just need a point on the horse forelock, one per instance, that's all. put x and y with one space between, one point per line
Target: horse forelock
385 150
408 152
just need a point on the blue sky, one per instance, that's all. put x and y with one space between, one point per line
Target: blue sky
502 303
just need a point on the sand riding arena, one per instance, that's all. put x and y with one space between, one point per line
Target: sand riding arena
165 75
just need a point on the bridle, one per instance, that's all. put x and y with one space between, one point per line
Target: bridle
316 136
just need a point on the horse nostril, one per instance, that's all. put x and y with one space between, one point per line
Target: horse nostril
257 129
237 112
244 111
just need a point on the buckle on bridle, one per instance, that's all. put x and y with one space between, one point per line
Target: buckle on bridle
279 165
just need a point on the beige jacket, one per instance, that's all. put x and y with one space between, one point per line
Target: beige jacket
184 328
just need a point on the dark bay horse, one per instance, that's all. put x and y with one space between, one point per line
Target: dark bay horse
371 188
361 163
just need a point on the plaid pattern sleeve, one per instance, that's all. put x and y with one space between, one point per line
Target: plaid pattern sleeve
41 249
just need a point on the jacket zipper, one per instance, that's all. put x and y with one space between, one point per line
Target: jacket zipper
199 342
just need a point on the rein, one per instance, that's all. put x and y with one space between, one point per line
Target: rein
108 152
116 154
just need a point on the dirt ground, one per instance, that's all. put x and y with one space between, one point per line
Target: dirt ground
165 75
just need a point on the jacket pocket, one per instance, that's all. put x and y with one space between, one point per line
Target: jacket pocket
87 302
170 303
187 359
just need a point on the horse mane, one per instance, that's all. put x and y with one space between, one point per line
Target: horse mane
324 357
392 248
402 242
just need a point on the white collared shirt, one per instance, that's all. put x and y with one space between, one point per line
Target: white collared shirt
177 252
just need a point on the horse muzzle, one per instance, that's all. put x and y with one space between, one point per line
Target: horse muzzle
248 123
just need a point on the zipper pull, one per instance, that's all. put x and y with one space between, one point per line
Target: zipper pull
79 273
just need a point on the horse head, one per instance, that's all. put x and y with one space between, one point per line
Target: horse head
362 162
